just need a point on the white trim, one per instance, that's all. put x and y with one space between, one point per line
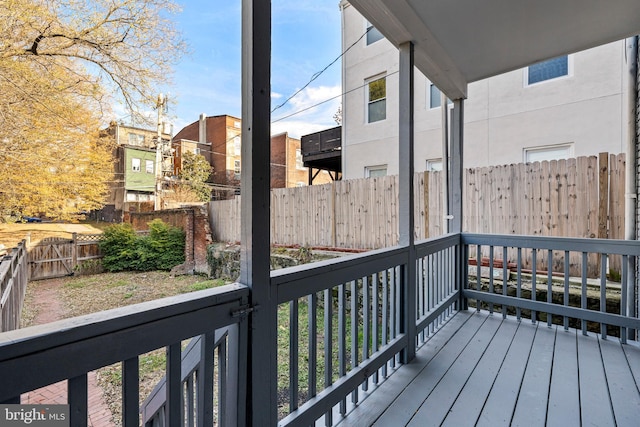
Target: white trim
367 81
369 169
568 147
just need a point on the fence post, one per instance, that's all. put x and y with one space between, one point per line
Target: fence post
74 251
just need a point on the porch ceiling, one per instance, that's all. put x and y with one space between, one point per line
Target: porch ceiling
461 41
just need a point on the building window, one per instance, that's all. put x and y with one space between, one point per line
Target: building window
236 168
148 166
236 124
299 162
375 171
136 139
373 34
434 165
435 99
237 146
549 152
547 70
377 100
135 164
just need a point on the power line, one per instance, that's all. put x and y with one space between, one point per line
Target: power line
319 73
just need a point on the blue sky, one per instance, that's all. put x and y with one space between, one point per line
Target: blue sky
306 38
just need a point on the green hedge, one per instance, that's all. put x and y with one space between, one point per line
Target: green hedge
124 249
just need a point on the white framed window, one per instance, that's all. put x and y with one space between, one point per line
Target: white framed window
237 146
548 152
375 171
373 34
435 97
135 164
434 165
236 168
148 166
548 70
299 162
376 99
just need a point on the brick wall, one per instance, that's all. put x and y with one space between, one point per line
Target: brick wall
195 223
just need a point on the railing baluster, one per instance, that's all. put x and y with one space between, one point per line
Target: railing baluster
374 331
293 355
565 319
393 308
491 291
431 289
189 401
342 341
313 347
534 279
366 325
519 283
205 371
354 334
174 385
504 280
478 274
623 296
131 392
77 396
222 381
603 293
583 291
549 285
421 295
385 314
328 348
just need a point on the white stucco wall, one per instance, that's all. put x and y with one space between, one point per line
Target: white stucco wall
503 115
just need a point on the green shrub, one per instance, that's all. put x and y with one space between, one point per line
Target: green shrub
123 249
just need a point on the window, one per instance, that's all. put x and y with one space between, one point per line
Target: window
550 152
299 162
547 70
375 171
373 35
135 164
237 125
136 139
148 166
236 169
377 100
300 184
435 99
196 150
434 165
237 146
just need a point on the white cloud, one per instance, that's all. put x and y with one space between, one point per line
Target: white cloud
276 95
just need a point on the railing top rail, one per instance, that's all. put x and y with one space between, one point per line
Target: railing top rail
608 246
30 340
298 281
435 244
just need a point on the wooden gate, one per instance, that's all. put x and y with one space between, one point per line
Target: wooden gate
52 257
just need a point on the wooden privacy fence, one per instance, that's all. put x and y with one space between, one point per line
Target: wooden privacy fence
581 197
57 257
13 285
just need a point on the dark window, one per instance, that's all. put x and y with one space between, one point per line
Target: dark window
373 35
547 70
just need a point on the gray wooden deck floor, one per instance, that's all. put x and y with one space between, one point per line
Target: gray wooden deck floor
481 370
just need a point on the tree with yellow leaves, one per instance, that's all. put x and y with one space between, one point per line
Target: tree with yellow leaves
63 64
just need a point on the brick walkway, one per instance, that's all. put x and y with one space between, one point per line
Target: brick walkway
49 308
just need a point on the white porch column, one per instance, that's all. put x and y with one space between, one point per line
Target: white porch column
457 167
256 117
406 201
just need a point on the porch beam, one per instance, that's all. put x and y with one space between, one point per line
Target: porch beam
255 235
406 201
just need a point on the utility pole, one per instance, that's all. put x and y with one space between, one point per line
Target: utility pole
161 105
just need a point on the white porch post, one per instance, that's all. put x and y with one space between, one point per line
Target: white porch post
256 117
405 198
457 168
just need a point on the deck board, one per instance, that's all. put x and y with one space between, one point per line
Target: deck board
563 408
500 404
593 411
485 371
